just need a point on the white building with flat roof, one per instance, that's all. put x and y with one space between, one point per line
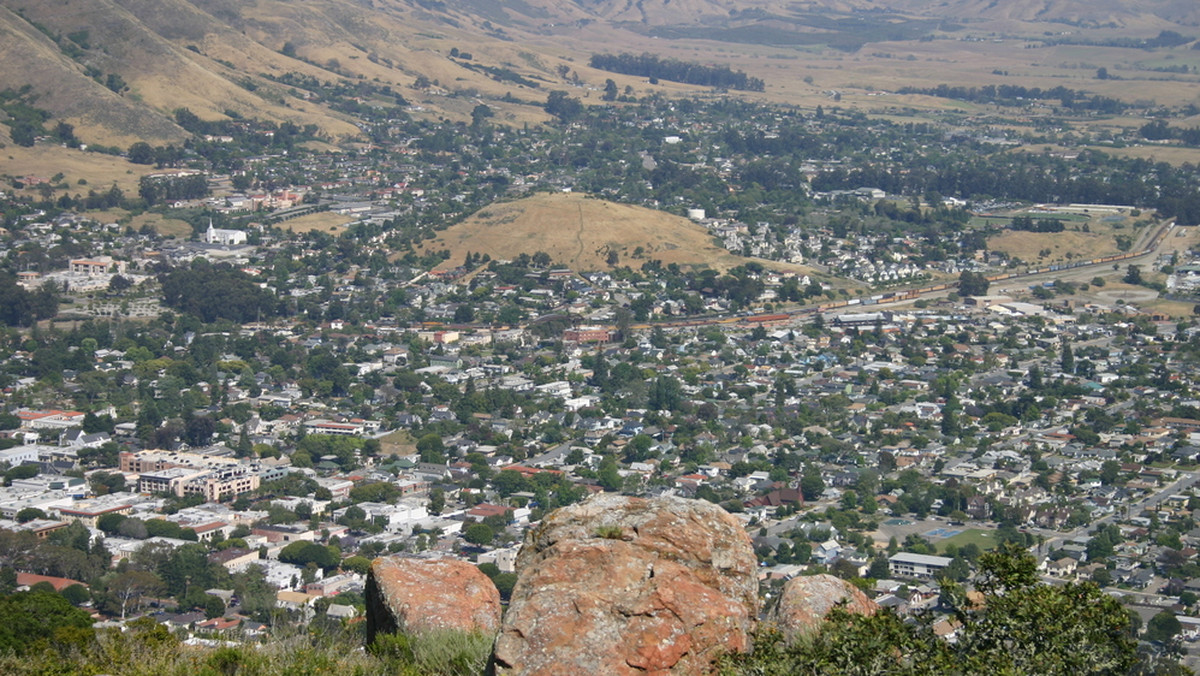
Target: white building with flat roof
921 566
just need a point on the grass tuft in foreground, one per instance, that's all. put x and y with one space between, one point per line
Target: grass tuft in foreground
148 649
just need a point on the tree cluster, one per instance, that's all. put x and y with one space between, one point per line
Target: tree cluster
302 553
213 292
31 621
562 106
250 135
652 66
1027 224
22 117
19 307
158 189
1159 130
973 284
1016 95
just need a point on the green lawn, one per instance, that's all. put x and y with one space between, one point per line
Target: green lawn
984 539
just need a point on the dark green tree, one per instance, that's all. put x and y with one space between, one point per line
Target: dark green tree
32 621
562 106
972 284
431 448
141 153
198 430
29 514
76 594
479 534
1163 627
255 593
610 90
811 484
1068 359
1133 274
303 553
480 113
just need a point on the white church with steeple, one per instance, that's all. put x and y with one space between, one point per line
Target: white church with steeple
223 237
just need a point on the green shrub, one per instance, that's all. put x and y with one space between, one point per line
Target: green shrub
444 652
609 532
1022 627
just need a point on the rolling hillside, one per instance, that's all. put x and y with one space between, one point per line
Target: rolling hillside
118 69
580 232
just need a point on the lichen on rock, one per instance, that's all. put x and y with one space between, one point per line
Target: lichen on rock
420 595
806 600
620 585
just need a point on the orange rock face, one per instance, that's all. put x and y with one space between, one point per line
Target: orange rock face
418 595
618 585
807 600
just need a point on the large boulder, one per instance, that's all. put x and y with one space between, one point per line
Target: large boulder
807 600
619 585
422 595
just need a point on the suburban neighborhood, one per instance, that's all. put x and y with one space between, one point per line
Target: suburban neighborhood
220 429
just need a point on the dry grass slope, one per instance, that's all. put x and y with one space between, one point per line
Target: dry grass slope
1027 245
100 172
324 221
580 232
218 55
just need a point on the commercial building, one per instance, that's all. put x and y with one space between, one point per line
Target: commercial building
181 474
921 566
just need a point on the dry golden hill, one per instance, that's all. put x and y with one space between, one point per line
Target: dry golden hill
117 70
580 232
80 171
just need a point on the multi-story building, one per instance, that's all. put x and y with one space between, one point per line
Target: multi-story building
96 266
190 474
922 566
90 511
588 334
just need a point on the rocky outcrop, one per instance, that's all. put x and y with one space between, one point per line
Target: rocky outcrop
807 600
420 595
619 585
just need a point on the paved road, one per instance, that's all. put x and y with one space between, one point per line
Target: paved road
1054 539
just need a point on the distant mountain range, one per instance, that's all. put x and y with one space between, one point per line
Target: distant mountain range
726 12
117 69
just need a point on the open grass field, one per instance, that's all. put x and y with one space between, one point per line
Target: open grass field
869 76
1172 308
167 227
324 221
99 172
1036 248
399 442
163 225
984 539
1173 155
